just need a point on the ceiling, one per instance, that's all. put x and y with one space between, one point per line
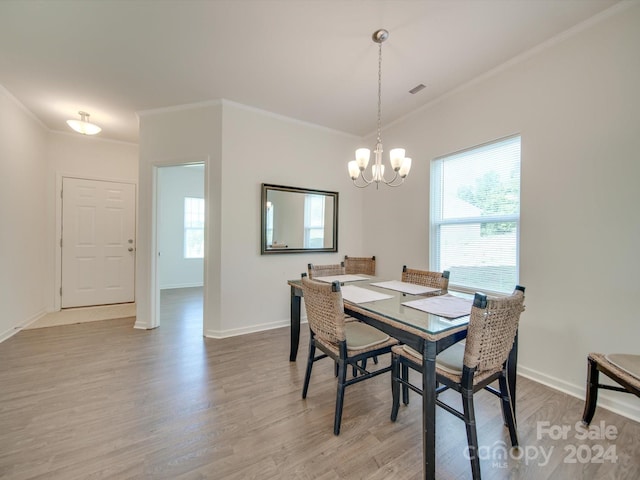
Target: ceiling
311 60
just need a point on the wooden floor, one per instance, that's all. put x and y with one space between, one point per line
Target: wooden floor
102 400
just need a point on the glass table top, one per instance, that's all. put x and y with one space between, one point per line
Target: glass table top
393 308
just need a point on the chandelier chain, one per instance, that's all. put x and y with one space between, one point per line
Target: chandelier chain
379 92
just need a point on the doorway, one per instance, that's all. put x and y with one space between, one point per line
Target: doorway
180 228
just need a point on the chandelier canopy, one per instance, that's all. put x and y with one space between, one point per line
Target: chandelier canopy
399 163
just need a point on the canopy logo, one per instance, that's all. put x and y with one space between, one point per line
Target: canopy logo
586 447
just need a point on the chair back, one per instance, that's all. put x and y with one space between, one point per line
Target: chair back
325 309
325 270
426 278
364 265
492 330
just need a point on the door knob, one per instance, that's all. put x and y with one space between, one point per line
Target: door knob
130 249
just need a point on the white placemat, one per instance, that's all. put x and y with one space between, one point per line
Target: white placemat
446 306
340 278
405 287
354 294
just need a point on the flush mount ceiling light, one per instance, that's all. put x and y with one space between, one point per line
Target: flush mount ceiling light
399 163
83 126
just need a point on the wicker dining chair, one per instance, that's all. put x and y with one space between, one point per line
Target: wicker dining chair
325 270
363 265
624 369
347 343
472 366
426 278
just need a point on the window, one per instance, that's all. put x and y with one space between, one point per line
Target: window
269 226
314 221
193 227
475 216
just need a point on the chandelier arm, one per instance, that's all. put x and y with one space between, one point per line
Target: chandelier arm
364 178
360 186
391 184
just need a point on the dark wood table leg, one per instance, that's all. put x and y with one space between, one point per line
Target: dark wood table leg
296 294
429 410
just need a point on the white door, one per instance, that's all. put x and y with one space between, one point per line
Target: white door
98 242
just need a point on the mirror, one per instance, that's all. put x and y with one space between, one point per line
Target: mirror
296 220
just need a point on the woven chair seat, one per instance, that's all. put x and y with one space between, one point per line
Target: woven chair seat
629 364
449 362
361 338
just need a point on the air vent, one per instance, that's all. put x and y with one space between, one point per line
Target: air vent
416 89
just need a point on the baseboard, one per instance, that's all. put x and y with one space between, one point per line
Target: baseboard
182 285
70 316
21 326
139 325
234 332
608 400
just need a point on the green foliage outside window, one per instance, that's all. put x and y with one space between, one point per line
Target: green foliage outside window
494 197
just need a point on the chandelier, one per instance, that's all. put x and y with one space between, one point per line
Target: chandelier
399 163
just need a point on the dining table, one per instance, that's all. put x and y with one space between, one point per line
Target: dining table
425 332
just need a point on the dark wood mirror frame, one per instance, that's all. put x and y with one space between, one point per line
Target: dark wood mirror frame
291 201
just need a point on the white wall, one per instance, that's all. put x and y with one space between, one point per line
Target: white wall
171 137
176 183
243 148
23 157
576 106
79 156
32 162
263 148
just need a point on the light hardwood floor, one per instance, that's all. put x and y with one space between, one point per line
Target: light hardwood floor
102 400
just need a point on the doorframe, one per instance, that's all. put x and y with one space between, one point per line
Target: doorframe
57 298
154 297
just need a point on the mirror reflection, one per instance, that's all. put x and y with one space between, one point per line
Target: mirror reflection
298 220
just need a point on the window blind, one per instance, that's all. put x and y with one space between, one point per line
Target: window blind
475 216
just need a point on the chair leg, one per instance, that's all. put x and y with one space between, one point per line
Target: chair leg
307 376
342 377
593 377
405 389
507 411
472 434
395 386
363 365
